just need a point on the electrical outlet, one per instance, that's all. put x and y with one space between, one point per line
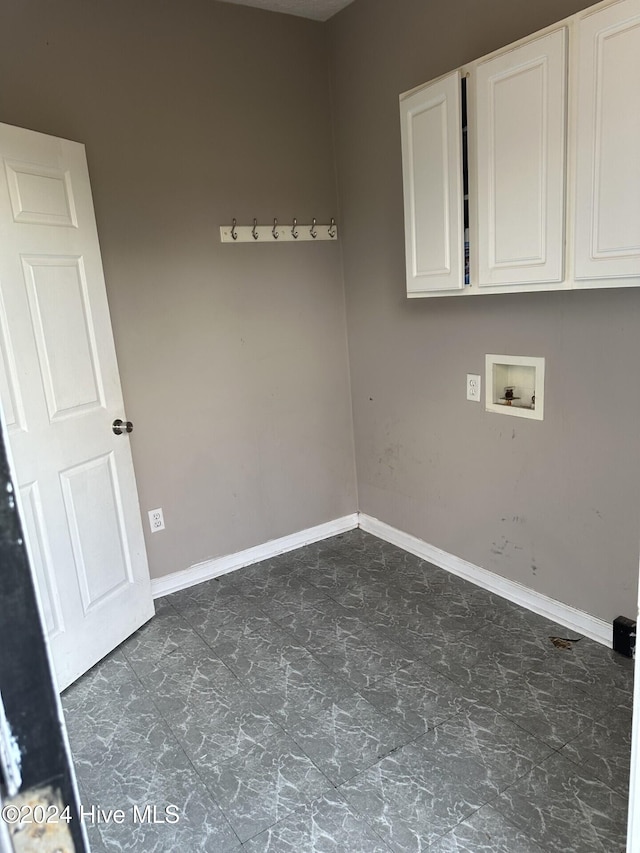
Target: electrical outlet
156 520
473 387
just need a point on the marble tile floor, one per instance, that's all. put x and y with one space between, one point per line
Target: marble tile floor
350 698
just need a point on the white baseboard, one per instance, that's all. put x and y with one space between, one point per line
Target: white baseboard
230 562
576 620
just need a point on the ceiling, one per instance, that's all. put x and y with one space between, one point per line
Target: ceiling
318 10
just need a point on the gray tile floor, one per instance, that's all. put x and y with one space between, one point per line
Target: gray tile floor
349 697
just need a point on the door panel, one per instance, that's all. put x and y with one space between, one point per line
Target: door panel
60 388
430 190
58 298
40 558
9 390
40 195
607 143
521 119
101 555
433 191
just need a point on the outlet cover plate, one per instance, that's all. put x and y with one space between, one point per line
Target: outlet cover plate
156 520
473 387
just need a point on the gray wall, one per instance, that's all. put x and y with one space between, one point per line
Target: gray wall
554 505
233 358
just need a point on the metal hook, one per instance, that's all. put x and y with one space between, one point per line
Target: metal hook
313 231
254 230
294 232
332 228
274 230
234 235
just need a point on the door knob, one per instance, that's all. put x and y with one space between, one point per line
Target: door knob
119 426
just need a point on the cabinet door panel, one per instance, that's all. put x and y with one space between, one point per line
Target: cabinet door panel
607 223
432 172
521 121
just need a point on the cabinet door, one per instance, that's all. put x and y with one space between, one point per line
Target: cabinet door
432 173
520 144
607 143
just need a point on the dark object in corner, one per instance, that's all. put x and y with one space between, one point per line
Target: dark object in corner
563 642
624 636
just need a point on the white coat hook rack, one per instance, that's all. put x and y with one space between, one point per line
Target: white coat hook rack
291 232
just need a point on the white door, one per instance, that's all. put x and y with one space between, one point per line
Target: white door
431 128
520 143
607 142
60 393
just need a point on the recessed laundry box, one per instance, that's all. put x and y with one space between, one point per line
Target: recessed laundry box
515 385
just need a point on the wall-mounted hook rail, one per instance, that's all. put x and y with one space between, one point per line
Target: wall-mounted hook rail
275 233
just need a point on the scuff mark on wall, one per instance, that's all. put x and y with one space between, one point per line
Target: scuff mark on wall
391 455
499 547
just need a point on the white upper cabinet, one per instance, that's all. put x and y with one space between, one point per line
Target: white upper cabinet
549 160
520 149
607 143
433 187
